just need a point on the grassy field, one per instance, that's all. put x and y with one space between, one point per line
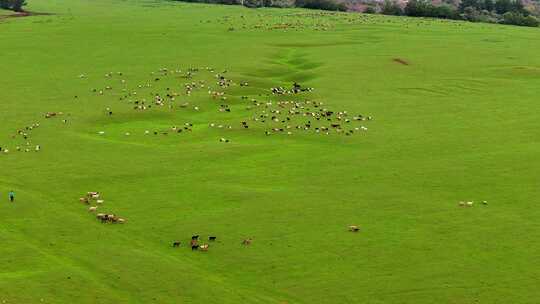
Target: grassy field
453 107
4 12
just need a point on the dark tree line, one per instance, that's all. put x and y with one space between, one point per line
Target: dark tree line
498 6
492 11
330 5
15 5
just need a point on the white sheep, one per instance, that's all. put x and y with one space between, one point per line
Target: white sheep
92 209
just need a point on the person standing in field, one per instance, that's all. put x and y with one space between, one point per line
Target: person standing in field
11 196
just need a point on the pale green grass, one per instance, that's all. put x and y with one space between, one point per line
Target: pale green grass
458 123
4 12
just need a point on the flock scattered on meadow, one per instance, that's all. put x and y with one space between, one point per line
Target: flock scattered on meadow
316 21
195 245
284 110
94 201
278 110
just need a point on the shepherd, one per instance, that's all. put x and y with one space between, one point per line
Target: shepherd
11 196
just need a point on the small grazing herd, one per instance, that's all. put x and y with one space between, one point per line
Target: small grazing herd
194 243
93 199
110 218
53 114
354 228
470 203
24 135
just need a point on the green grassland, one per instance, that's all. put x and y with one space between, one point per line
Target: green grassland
458 122
4 12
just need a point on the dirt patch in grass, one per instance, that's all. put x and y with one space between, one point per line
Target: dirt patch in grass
401 61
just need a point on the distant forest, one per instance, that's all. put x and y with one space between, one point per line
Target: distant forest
515 12
329 5
15 5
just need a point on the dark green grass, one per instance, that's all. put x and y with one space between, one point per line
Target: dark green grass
458 123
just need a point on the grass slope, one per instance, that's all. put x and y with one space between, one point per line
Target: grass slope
458 123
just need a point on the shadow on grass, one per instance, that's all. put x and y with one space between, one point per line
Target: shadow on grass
24 14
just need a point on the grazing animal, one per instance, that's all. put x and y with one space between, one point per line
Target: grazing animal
92 209
176 244
195 237
354 228
247 241
211 238
102 217
204 247
84 200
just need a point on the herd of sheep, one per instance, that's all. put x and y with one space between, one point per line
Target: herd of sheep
93 199
23 134
286 110
277 110
315 21
194 243
470 203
